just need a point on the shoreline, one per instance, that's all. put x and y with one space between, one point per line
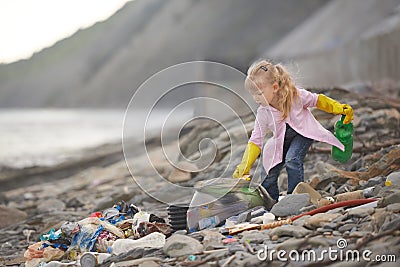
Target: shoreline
101 156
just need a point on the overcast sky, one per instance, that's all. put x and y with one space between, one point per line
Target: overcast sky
27 26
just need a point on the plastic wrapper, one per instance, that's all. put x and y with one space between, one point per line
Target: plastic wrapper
145 228
51 235
37 253
104 241
224 197
107 226
86 238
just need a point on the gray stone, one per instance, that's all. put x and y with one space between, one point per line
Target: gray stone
282 238
324 230
393 207
75 202
254 236
51 205
330 225
181 245
149 263
290 244
372 191
367 227
378 180
322 167
308 208
337 233
182 172
395 224
180 232
336 211
394 178
390 199
232 248
293 244
351 220
331 188
348 264
290 230
300 221
331 177
211 238
3 199
340 218
11 216
361 212
346 227
344 188
241 259
320 219
383 248
290 205
357 164
318 241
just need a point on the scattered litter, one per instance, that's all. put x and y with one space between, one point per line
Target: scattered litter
93 239
192 257
42 252
245 216
90 259
28 233
229 240
373 204
236 192
268 218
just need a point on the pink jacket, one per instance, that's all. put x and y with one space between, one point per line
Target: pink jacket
300 119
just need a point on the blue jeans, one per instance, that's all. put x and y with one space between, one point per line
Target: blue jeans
295 147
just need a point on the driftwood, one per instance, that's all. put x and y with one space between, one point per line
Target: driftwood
386 165
367 148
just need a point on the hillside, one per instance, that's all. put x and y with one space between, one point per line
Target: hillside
345 42
102 66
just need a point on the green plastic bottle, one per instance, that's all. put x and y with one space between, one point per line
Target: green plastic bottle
344 133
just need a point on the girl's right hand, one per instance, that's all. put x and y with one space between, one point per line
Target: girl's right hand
249 157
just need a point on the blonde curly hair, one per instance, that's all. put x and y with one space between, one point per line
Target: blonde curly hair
262 71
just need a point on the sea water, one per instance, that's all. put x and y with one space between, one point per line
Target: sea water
46 137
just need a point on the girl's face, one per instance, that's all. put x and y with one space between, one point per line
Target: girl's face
264 94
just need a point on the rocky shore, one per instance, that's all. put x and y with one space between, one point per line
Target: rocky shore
29 210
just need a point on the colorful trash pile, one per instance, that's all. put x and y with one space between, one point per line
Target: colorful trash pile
113 231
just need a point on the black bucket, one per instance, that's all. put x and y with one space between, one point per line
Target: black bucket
177 216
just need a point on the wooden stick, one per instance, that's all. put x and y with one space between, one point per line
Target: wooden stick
231 258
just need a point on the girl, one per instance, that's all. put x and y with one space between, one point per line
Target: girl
284 110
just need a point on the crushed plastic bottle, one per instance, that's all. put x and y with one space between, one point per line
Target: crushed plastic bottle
268 218
209 222
344 133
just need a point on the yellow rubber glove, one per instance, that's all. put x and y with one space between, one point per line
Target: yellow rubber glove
250 155
331 106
